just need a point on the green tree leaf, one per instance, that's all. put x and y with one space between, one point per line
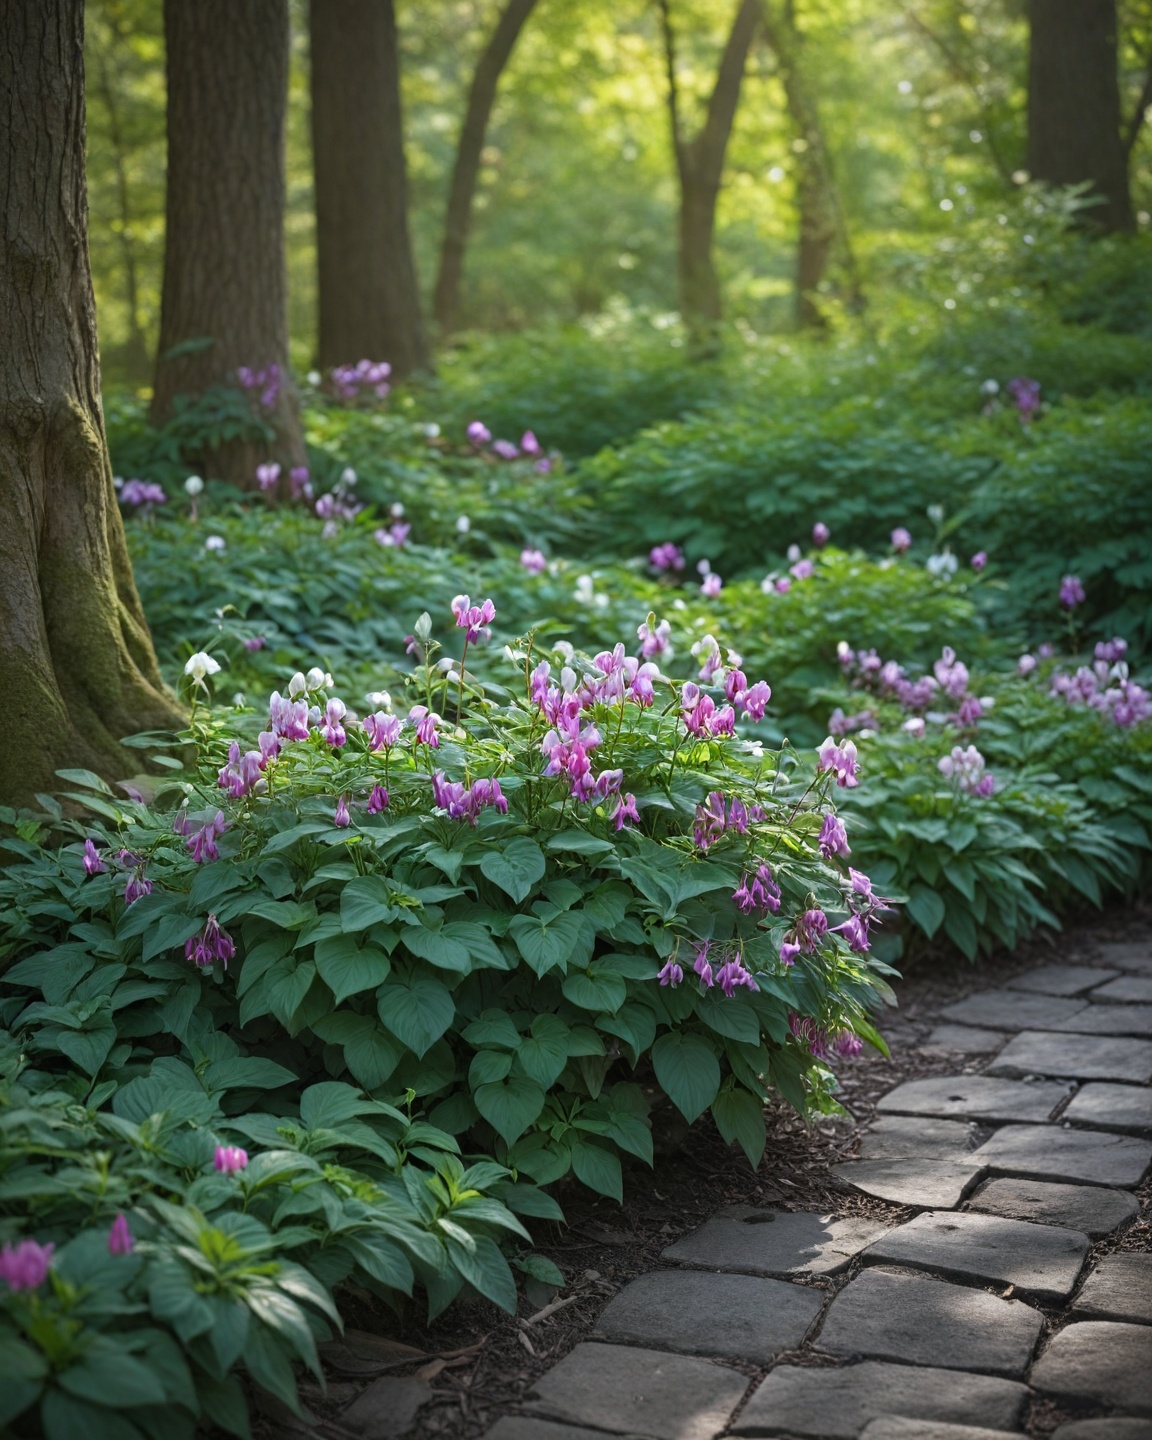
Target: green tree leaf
417 1010
740 1116
516 867
599 1168
510 1105
347 968
688 1071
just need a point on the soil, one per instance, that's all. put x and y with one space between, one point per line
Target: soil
481 1361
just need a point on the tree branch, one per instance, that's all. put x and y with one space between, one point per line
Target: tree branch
1132 131
674 108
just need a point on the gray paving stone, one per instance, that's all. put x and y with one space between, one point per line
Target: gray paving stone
835 1403
737 1317
1120 1288
894 1427
1062 979
1013 1010
1092 1209
1040 1260
1109 1020
899 1137
775 1242
1050 1152
1102 1361
386 1410
1129 989
1083 1057
1118 1427
530 1427
967 1039
975 1097
1112 1107
1135 956
627 1390
921 1321
931 1184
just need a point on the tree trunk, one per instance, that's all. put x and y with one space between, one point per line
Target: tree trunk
223 307
821 223
1074 131
700 168
458 219
369 298
78 664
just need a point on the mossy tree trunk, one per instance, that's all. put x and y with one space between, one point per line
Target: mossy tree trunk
224 300
78 664
466 170
369 298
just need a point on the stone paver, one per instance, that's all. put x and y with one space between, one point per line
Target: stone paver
1129 989
824 1403
931 1184
627 1390
531 1427
1101 1361
1120 1288
921 1321
967 1039
386 1410
1112 1107
899 1137
1092 1209
975 1097
1064 980
737 1317
1013 1010
1049 1152
1126 955
1083 1057
1118 1427
1039 1260
894 1427
1133 1020
775 1242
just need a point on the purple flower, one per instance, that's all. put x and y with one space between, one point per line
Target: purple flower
833 839
543 466
267 476
1026 395
382 730
473 618
802 570
120 1241
93 865
298 480
701 964
230 1159
137 887
979 560
666 557
242 773
141 492
783 585
855 932
653 639
810 928
1071 592
788 952
711 821
672 974
210 945
754 700
378 800
342 817
393 536
529 445
847 1044
738 816
330 727
626 812
759 893
841 759
534 561
733 974
24 1266
425 721
254 643
505 449
820 534
901 539
202 843
810 1034
288 717
711 585
478 433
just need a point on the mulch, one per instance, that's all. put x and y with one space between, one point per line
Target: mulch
481 1362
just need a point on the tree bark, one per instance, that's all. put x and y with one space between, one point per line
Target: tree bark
223 305
1074 127
78 664
369 297
700 168
821 223
458 218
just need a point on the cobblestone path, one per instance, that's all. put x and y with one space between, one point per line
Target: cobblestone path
951 1325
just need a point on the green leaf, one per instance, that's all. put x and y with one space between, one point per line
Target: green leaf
369 1051
65 1417
516 867
548 944
381 1257
366 901
438 946
108 1375
543 1054
729 1016
688 1071
347 968
479 1261
417 1010
599 1169
740 1116
24 1370
596 989
488 1066
926 908
510 1105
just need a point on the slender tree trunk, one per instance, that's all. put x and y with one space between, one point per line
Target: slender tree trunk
1074 128
821 222
700 168
458 219
78 664
369 297
224 307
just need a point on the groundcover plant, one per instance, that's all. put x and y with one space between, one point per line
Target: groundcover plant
252 1025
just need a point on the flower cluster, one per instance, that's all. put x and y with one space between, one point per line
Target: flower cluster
840 760
337 505
261 385
366 377
819 1043
475 619
209 945
139 493
727 974
24 1266
463 802
1104 686
966 768
1071 592
529 448
1025 395
714 819
666 558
